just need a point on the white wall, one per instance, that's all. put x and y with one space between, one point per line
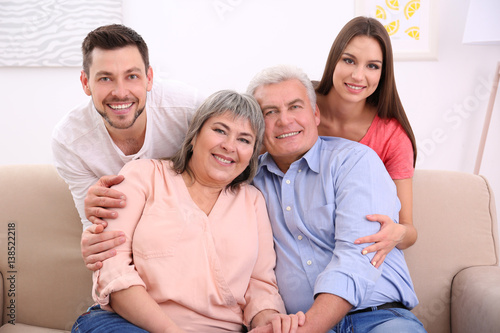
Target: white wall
214 49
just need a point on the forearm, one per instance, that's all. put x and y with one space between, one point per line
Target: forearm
410 237
139 308
405 195
326 312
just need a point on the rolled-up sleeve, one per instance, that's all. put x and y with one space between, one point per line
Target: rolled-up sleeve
362 187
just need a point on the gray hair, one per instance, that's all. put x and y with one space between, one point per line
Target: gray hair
242 106
280 73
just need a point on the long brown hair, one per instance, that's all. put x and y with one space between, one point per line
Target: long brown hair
385 98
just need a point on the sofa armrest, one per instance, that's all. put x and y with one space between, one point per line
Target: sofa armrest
1 297
475 300
52 285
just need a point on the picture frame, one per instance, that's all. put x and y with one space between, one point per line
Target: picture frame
411 24
49 33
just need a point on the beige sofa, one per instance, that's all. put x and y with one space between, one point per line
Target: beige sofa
44 285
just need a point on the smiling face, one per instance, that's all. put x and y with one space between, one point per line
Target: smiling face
118 83
222 150
357 74
291 123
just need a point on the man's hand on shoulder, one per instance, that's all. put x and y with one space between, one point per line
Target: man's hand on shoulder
98 245
100 197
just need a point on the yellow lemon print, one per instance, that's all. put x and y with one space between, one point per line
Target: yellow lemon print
380 13
413 32
392 4
411 7
392 27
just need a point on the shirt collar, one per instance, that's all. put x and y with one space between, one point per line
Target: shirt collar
312 158
265 160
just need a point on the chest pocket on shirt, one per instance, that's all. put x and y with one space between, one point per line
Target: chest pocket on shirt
158 234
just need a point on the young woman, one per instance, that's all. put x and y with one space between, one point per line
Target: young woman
358 100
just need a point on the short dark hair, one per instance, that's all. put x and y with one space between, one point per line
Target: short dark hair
110 37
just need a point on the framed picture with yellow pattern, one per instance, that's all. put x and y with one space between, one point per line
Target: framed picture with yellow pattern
411 24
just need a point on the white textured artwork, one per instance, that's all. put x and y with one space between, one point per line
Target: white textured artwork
50 32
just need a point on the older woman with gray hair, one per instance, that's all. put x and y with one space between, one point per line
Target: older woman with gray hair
199 254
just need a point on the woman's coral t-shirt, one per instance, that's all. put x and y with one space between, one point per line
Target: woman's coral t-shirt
389 140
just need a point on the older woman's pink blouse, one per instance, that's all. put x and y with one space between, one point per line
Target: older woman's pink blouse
208 273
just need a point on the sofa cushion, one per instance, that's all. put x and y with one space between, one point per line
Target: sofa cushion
21 328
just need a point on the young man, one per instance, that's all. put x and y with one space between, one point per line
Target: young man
318 191
127 118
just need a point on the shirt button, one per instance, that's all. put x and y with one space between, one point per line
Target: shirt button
300 237
309 262
288 208
300 170
288 181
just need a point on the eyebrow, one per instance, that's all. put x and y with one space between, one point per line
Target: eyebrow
133 69
295 101
228 128
272 106
103 73
128 71
353 56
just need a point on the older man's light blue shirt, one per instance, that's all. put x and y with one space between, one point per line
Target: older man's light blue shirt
317 209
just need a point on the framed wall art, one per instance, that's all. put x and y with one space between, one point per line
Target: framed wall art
411 24
50 32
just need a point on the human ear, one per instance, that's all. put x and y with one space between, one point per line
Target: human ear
85 83
150 78
317 115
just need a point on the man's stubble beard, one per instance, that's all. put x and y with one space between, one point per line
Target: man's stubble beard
126 126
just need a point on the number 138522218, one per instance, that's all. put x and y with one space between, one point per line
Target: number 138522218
11 245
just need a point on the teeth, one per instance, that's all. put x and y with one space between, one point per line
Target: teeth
354 87
222 160
121 106
287 135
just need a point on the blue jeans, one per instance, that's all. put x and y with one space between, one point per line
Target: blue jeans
98 320
380 321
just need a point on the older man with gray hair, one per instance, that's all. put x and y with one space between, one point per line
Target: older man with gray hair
318 191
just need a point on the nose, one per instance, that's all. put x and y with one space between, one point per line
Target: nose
120 89
284 118
228 144
357 73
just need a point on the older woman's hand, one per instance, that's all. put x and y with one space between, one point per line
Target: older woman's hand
277 322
